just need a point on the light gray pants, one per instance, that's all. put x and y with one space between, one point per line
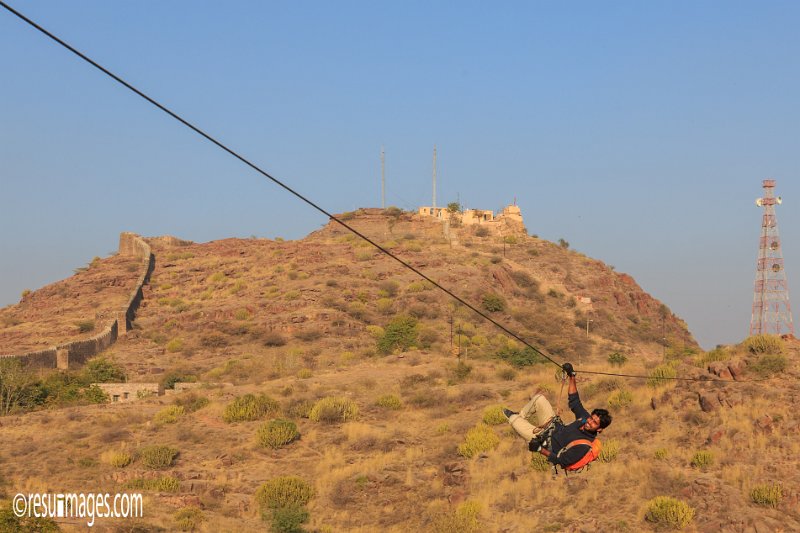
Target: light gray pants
532 418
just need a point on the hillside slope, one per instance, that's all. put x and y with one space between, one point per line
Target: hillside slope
306 320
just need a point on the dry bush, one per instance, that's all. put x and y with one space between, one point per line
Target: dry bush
333 409
308 335
507 373
763 344
188 518
609 450
702 459
157 457
493 415
169 415
479 439
767 494
300 408
191 402
389 401
250 407
661 375
669 512
621 398
160 484
463 520
427 398
116 458
769 364
284 491
277 433
273 339
540 463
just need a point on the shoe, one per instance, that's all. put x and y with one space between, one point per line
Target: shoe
508 413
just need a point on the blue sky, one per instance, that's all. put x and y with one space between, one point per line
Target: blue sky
637 131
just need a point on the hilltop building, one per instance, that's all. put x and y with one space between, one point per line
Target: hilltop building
509 216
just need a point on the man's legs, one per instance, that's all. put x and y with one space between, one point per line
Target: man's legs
533 418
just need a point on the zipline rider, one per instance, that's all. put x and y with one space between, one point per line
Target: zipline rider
570 446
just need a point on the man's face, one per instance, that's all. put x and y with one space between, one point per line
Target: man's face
592 424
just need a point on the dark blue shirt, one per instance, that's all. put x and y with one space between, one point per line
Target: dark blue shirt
564 434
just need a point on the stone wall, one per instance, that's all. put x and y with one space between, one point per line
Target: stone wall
77 352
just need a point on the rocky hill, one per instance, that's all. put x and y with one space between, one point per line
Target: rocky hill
385 379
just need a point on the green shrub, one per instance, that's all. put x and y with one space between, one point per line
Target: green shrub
102 370
520 357
389 401
768 494
376 331
304 373
609 451
540 463
249 407
175 345
493 415
94 394
461 371
161 484
661 375
621 398
333 409
85 326
763 344
717 354
769 364
400 333
284 491
661 454
288 519
157 457
668 511
702 459
277 433
177 376
188 518
617 359
119 459
493 302
11 523
169 415
463 520
479 439
242 314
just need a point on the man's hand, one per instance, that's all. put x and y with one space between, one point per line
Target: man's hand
567 367
536 443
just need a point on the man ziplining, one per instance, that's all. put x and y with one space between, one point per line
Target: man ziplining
570 446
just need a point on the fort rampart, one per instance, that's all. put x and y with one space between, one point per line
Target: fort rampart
77 352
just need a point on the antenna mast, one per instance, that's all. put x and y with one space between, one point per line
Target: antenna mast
383 179
772 313
434 176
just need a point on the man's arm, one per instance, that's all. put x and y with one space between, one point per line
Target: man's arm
573 399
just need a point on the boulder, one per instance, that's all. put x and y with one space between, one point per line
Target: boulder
708 401
716 435
736 368
764 423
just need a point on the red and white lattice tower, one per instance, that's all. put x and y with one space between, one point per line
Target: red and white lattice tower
772 313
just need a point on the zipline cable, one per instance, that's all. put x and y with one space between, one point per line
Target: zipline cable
300 196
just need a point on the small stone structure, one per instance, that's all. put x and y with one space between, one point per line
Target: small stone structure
77 352
510 215
128 392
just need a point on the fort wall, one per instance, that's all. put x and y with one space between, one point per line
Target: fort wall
77 352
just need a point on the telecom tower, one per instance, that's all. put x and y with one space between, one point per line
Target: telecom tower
772 313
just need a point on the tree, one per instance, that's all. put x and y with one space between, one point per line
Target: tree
454 207
14 381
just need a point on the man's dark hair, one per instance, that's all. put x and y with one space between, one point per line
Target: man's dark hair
605 418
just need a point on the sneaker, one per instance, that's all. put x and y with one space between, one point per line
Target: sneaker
508 413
